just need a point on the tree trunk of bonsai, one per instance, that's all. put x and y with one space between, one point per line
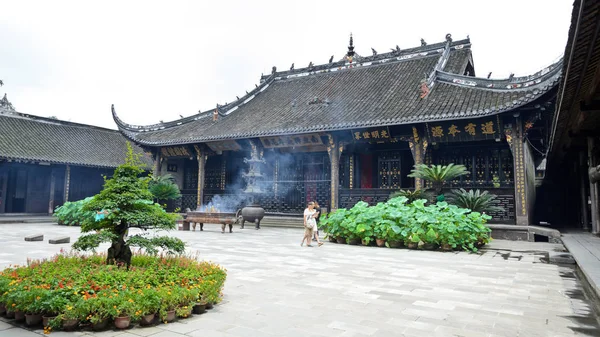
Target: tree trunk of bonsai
119 251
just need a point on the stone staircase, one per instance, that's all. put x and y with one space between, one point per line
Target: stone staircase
281 221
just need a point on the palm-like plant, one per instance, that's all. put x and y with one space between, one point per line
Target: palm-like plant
411 195
438 174
476 201
164 187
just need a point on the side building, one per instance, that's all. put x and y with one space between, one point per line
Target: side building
353 129
45 162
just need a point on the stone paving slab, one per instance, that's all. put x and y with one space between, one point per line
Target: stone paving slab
277 288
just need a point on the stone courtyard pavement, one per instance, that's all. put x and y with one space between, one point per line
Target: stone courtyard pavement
276 288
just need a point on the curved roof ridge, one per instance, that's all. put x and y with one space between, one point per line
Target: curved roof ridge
227 108
510 83
383 57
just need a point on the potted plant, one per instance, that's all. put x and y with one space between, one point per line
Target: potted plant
168 305
33 311
100 309
52 303
200 302
70 317
380 231
438 175
149 304
124 311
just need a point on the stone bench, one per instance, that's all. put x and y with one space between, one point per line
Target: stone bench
35 237
63 239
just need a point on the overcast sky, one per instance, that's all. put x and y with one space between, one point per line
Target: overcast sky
158 60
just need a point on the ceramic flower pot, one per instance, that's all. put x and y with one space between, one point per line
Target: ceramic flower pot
187 313
340 240
354 242
430 246
331 238
209 305
446 247
413 245
122 322
100 325
10 314
33 319
147 319
199 308
395 244
2 309
380 242
365 243
170 316
19 315
46 320
70 324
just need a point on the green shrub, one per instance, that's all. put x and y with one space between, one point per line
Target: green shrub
400 221
72 213
476 201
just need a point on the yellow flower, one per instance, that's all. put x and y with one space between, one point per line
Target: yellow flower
38 298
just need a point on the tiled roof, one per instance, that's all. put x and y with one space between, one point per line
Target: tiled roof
373 91
31 138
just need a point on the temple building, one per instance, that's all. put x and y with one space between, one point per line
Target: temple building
45 162
352 129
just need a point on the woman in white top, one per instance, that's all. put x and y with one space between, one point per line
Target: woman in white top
309 224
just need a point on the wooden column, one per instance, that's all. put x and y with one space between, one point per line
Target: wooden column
52 186
582 190
591 142
514 137
67 183
418 148
157 163
351 172
276 178
201 157
334 150
223 170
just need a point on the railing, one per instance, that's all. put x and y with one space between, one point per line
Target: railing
349 197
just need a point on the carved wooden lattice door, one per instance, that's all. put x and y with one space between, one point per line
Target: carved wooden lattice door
389 170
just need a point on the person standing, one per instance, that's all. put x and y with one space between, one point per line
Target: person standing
309 223
317 217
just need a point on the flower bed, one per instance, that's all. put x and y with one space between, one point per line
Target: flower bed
415 225
83 289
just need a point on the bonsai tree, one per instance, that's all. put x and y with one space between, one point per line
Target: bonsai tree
476 201
438 174
163 187
125 202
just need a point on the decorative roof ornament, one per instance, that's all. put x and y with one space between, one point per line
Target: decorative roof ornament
449 37
374 51
292 67
424 89
350 54
423 43
331 59
6 106
489 75
310 65
274 70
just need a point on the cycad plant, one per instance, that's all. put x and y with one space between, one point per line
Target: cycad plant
438 174
411 195
476 201
163 187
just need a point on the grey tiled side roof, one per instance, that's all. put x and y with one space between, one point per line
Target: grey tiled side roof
32 138
376 91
